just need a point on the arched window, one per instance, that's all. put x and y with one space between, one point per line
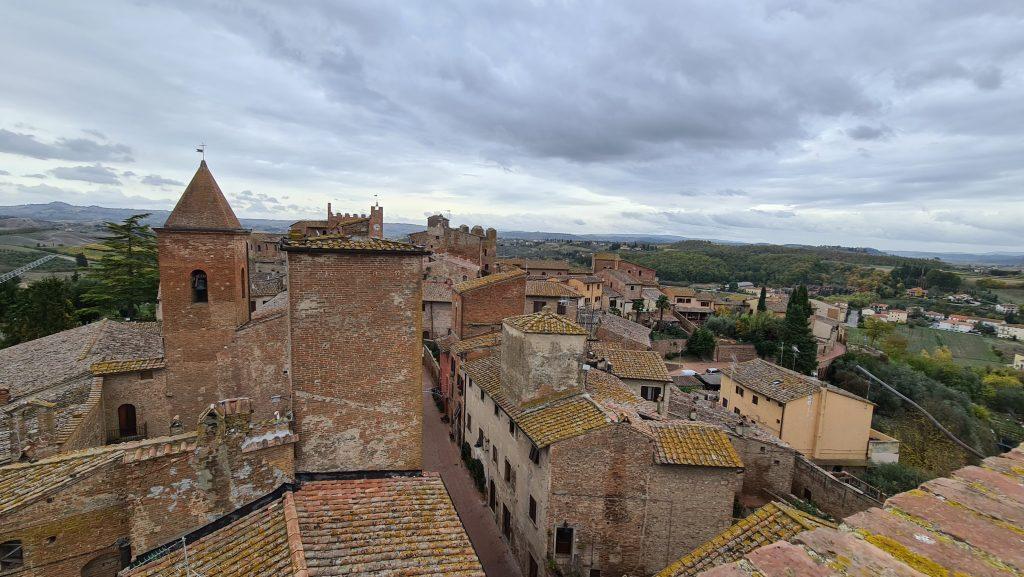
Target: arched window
11 555
199 287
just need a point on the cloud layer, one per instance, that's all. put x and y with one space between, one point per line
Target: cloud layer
895 125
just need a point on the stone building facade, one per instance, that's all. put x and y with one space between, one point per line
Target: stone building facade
124 436
575 476
359 225
475 245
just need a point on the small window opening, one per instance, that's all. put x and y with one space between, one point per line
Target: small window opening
199 287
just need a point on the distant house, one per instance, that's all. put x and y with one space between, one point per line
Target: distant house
556 297
934 315
879 307
590 287
962 298
994 323
1006 308
917 292
896 316
1010 332
955 326
828 425
1018 362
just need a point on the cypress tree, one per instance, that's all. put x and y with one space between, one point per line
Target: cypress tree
761 304
796 332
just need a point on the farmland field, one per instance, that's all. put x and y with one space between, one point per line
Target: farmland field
967 349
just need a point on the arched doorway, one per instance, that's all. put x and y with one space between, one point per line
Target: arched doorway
127 426
103 565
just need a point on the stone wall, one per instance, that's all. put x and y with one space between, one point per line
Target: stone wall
437 319
725 351
812 483
666 346
767 467
355 331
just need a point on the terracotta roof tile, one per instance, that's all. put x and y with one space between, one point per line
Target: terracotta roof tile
475 283
397 526
625 328
606 387
256 545
437 292
202 205
545 323
632 364
527 263
766 525
113 367
477 342
967 524
773 381
562 419
345 243
686 443
546 288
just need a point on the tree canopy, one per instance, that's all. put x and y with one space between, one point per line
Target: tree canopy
127 275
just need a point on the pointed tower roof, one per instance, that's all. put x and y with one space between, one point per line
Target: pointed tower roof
203 205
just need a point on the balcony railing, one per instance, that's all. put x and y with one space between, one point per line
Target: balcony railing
119 436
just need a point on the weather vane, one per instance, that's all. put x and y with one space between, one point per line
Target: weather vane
202 150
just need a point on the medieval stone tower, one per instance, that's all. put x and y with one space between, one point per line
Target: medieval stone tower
204 284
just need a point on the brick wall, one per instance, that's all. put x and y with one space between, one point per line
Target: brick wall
259 354
481 310
355 332
630 515
196 334
148 396
812 483
724 352
768 467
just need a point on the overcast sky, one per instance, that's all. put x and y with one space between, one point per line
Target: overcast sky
897 125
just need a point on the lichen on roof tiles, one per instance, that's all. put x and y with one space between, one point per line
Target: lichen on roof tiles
766 525
478 342
545 323
551 289
686 443
346 243
606 387
773 381
562 419
475 283
633 364
113 367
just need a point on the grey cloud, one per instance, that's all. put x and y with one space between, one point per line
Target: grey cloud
96 174
984 77
865 132
63 148
4 173
157 180
36 175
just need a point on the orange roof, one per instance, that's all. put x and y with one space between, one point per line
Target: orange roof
203 206
545 323
685 443
475 283
114 367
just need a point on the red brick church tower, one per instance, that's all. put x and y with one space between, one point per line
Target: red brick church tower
204 282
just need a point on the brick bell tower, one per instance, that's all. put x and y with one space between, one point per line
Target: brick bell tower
204 287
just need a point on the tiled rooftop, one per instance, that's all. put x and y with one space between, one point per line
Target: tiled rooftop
114 367
437 292
391 527
626 329
403 526
477 342
773 381
768 524
562 419
256 545
202 205
545 323
631 364
528 263
687 443
968 524
345 243
606 387
475 283
546 288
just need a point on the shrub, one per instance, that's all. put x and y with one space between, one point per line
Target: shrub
892 478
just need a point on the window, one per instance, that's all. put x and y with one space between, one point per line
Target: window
492 498
511 427
510 475
469 422
199 287
11 555
650 393
739 390
560 309
495 408
535 454
538 306
481 394
563 540
736 410
595 573
494 453
753 399
725 402
533 510
146 375
534 568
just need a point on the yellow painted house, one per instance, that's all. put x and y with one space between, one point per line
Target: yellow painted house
828 425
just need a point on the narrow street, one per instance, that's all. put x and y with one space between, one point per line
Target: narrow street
441 455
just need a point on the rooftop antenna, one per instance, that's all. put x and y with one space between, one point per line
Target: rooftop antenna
202 150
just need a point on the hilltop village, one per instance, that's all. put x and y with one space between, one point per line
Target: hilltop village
285 413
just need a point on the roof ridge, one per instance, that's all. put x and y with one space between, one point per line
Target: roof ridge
291 522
